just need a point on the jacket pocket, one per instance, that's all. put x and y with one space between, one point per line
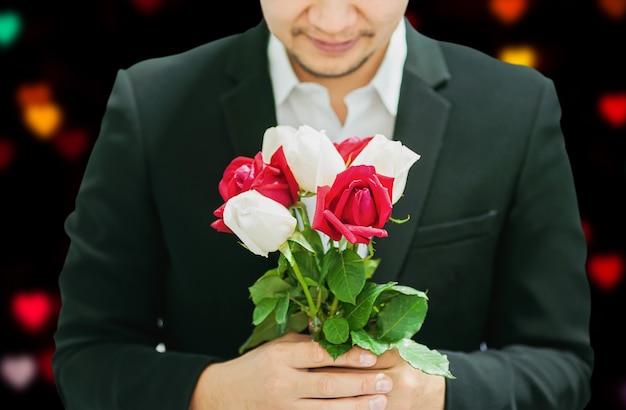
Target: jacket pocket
455 231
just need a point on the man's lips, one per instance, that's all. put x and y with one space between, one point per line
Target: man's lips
333 47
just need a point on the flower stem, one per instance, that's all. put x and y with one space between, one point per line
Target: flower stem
286 251
304 215
333 307
319 298
305 288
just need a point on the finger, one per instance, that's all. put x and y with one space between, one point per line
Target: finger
300 351
308 354
320 385
388 359
356 357
294 337
376 402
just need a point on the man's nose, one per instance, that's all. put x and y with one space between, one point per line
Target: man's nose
332 16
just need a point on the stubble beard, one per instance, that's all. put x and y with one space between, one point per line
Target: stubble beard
318 74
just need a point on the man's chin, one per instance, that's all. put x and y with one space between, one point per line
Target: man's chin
328 72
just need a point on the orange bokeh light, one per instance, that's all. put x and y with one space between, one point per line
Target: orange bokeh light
508 11
614 9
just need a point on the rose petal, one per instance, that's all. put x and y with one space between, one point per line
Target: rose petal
378 152
339 226
261 223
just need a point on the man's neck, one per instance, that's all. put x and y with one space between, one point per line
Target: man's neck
339 87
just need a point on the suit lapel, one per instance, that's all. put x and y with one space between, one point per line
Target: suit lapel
248 107
420 125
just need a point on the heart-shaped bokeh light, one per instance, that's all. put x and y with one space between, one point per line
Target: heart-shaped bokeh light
605 270
32 309
18 370
72 143
40 114
612 108
43 120
519 54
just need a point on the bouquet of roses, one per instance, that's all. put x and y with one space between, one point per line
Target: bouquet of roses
321 281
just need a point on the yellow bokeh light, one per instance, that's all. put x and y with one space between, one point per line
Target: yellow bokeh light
520 54
43 120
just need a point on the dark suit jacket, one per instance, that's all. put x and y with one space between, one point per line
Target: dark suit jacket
494 237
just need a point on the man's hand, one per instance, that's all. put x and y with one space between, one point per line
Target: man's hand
292 372
412 389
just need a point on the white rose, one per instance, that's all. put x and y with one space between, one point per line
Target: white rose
261 223
274 137
390 158
311 155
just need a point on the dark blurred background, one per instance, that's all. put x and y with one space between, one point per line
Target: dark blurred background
57 65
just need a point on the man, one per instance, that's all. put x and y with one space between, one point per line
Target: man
494 235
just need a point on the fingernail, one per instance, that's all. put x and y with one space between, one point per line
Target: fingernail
378 403
367 359
383 384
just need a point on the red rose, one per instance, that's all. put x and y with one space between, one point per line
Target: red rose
238 177
357 206
351 147
274 180
219 224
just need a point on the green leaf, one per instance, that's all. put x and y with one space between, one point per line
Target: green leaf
336 330
282 306
343 243
326 263
272 272
298 238
283 264
424 359
285 251
268 287
307 262
322 293
297 322
346 275
295 292
401 317
359 313
268 330
263 310
410 291
265 331
313 237
370 267
366 341
335 350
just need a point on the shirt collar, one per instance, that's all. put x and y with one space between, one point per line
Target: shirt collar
386 81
